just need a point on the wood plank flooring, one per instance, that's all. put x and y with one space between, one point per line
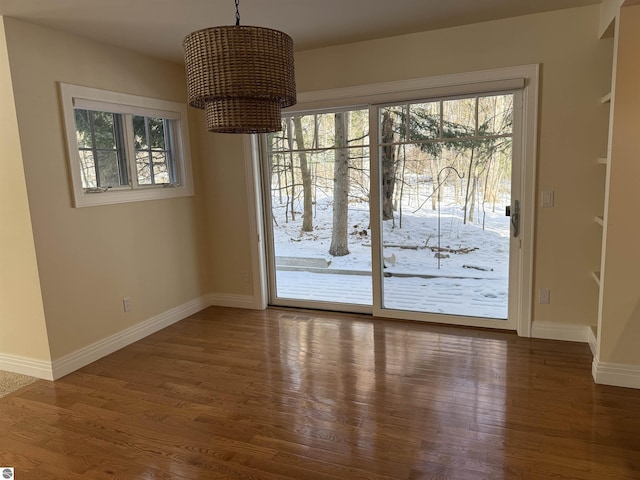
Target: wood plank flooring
290 394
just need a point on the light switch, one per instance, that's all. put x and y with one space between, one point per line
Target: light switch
547 198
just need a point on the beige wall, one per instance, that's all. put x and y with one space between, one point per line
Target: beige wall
620 328
90 258
225 196
22 326
575 73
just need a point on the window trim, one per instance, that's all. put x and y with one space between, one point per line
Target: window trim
75 96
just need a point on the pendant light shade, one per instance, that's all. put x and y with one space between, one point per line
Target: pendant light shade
242 76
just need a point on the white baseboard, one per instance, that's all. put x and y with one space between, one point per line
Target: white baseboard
236 301
26 366
69 363
86 355
560 331
593 341
616 374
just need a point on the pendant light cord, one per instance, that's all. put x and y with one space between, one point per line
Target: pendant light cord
237 13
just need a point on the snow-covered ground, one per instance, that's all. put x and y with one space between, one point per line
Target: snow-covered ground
474 283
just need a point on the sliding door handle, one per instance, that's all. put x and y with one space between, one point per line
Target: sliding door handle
515 217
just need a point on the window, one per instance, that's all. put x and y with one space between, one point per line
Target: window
124 148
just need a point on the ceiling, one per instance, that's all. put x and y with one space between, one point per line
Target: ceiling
157 27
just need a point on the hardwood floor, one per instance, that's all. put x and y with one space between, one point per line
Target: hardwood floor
239 394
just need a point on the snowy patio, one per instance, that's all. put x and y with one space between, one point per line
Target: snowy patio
460 296
471 279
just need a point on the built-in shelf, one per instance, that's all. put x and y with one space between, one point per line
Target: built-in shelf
607 102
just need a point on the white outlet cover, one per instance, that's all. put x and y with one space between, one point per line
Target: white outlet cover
545 296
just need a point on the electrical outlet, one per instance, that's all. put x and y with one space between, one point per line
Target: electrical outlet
126 304
545 296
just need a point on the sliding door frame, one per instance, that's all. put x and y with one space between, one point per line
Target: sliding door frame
486 81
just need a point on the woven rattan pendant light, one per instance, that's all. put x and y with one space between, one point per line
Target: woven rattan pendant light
242 76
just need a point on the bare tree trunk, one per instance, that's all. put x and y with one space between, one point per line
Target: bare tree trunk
487 191
400 199
388 166
339 235
289 166
279 173
436 196
285 169
496 190
474 192
293 189
307 216
466 195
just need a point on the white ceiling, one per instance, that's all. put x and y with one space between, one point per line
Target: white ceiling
157 27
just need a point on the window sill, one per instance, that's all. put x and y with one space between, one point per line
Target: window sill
113 196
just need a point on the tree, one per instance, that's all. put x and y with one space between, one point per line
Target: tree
479 144
472 167
424 124
307 198
339 236
482 151
290 186
389 164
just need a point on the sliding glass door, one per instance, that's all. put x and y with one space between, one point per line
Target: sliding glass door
446 176
419 221
317 192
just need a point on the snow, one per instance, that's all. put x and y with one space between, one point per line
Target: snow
470 284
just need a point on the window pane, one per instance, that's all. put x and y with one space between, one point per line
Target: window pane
495 115
108 170
154 159
277 141
312 131
324 130
99 149
157 133
424 121
160 168
103 127
459 117
358 128
143 168
393 124
87 169
83 129
140 133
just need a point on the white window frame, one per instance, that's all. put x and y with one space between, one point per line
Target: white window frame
75 96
